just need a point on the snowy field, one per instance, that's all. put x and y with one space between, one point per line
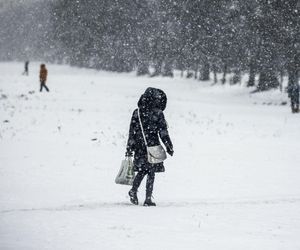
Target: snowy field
233 183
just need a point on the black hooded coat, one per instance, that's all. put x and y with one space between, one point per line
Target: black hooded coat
151 105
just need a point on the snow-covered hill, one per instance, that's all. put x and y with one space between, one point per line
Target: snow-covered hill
233 182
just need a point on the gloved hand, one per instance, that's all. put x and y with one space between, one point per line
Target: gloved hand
128 154
170 151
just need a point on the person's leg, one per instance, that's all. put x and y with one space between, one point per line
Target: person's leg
136 183
150 183
149 187
137 180
41 86
46 87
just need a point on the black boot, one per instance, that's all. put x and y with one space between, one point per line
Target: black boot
149 203
149 189
133 197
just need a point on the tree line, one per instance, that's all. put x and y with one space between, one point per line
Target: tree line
156 37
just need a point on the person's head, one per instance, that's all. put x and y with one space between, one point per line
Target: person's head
153 98
43 66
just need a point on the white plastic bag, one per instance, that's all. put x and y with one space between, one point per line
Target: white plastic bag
126 174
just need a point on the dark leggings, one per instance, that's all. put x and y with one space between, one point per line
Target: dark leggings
43 85
149 184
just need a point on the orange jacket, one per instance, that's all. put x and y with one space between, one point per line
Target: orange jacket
43 74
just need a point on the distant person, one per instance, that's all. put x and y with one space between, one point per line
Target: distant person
293 92
26 68
43 77
147 125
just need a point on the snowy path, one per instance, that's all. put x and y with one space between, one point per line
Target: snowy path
232 184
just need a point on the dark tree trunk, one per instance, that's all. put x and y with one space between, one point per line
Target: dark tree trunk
293 69
251 81
267 79
180 66
237 77
293 75
215 77
196 72
205 72
142 68
157 68
268 75
224 74
189 74
281 80
168 68
214 69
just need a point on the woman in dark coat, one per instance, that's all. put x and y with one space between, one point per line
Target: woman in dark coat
151 106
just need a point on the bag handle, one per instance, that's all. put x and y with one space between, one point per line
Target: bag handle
142 127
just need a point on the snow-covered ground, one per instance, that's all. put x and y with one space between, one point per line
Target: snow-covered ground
233 183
